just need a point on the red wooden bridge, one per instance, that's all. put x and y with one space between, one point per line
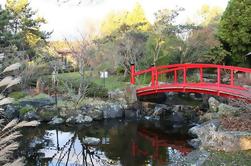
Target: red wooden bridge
229 81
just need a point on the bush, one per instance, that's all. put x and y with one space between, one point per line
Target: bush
17 95
96 90
26 109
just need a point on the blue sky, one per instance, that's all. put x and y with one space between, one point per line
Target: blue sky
70 20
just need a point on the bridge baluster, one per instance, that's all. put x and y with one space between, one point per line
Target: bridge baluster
132 74
184 75
218 76
201 75
232 78
175 76
153 75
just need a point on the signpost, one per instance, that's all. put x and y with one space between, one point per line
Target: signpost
104 75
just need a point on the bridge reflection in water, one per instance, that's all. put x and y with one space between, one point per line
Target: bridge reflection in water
173 148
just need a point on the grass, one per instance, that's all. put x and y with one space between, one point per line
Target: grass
111 83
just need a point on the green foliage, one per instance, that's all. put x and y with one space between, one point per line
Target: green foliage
17 95
26 109
234 30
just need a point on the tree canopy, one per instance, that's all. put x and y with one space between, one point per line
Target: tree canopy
235 29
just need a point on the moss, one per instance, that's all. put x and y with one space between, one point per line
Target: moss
17 95
39 96
223 158
26 109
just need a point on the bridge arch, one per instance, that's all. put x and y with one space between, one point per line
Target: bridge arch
230 81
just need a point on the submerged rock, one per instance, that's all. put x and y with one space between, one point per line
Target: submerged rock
91 141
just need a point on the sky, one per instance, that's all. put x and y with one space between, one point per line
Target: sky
69 20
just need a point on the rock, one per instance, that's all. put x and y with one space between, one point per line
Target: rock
148 108
178 108
209 116
11 112
213 104
95 114
131 113
178 118
227 110
79 119
130 94
37 102
195 143
56 120
213 138
160 109
29 116
47 113
91 141
112 110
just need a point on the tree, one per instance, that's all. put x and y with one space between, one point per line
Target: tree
25 26
235 30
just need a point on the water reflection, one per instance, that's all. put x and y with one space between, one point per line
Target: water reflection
121 143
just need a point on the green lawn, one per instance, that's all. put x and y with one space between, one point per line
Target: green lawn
111 83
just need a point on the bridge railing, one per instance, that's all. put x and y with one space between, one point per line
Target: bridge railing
175 69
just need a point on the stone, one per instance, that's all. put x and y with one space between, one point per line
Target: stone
227 110
95 114
79 119
29 116
56 120
91 141
195 143
37 102
47 113
131 113
209 116
213 104
11 112
112 110
178 118
160 109
130 94
212 137
148 108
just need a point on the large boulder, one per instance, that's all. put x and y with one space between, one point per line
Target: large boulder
227 110
95 114
212 137
112 110
213 104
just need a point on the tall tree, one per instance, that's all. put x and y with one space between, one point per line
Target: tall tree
235 30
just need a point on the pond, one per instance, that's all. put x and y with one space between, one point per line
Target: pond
122 142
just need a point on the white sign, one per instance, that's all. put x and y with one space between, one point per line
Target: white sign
103 74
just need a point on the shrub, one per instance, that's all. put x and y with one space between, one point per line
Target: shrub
26 109
17 95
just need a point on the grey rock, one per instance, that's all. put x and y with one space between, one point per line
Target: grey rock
37 102
226 110
95 114
91 141
213 104
195 143
213 138
112 110
11 112
79 119
56 120
31 116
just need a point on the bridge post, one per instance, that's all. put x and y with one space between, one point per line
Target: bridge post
153 75
132 80
232 77
218 76
201 74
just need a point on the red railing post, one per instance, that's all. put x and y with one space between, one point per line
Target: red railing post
153 70
201 74
218 76
175 76
184 75
132 74
232 77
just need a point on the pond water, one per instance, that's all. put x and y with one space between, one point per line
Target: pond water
127 143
